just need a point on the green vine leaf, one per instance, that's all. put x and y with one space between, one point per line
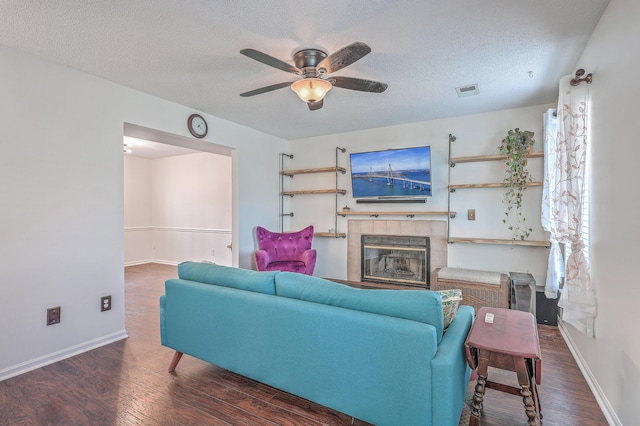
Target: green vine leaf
516 146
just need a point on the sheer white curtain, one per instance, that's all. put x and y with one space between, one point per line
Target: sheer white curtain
555 269
563 204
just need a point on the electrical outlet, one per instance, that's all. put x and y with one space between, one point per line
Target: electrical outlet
105 303
213 252
53 315
471 214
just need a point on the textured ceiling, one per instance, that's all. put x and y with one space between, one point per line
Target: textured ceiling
187 51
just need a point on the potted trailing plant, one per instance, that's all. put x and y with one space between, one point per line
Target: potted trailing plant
515 146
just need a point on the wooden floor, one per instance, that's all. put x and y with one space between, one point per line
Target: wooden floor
126 383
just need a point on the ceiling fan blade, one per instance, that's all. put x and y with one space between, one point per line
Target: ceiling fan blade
270 60
313 106
344 57
265 89
358 84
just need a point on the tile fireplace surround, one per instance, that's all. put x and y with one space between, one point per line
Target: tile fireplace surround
436 230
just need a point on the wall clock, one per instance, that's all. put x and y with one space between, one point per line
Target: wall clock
197 126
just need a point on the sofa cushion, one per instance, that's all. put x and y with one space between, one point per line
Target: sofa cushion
470 275
450 301
417 305
243 279
288 265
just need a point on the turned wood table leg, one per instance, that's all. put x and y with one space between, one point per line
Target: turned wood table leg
529 407
175 361
478 394
535 375
536 400
524 379
476 404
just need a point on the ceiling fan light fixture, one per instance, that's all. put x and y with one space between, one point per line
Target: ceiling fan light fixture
311 89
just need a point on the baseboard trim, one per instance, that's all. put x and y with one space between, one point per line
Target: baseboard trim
165 262
602 400
138 262
144 262
44 360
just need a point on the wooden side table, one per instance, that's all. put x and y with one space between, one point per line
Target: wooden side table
509 343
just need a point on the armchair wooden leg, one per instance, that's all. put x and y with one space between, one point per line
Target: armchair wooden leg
175 361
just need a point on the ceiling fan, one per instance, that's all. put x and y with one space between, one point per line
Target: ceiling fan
313 65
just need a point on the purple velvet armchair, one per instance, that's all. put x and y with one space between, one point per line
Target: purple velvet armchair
289 251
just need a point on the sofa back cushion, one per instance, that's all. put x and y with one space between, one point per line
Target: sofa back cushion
243 279
416 305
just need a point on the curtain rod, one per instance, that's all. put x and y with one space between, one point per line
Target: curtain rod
577 79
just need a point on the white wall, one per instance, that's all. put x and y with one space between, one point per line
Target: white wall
137 211
476 135
61 186
613 357
191 208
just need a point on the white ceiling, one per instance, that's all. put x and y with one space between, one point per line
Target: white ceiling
187 51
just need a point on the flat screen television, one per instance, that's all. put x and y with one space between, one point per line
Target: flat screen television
392 173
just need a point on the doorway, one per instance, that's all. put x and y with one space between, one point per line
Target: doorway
177 199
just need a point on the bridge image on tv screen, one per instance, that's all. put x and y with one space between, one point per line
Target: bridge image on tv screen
392 173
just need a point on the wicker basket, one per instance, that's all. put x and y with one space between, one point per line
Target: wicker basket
476 294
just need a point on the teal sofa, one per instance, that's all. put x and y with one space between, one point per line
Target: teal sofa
382 356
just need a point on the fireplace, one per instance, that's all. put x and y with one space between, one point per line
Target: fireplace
395 259
435 230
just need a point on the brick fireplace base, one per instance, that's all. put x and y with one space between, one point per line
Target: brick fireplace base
436 230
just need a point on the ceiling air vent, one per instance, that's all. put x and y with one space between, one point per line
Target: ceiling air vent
468 90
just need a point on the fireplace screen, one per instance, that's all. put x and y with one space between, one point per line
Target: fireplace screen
395 259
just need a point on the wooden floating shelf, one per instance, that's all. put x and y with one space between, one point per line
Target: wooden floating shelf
316 170
408 214
486 185
496 157
500 241
330 234
315 191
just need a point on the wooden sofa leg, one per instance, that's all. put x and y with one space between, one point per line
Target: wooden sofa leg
175 361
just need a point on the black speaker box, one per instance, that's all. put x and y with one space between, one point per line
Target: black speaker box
546 309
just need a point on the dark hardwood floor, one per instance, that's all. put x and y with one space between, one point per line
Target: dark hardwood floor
127 383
